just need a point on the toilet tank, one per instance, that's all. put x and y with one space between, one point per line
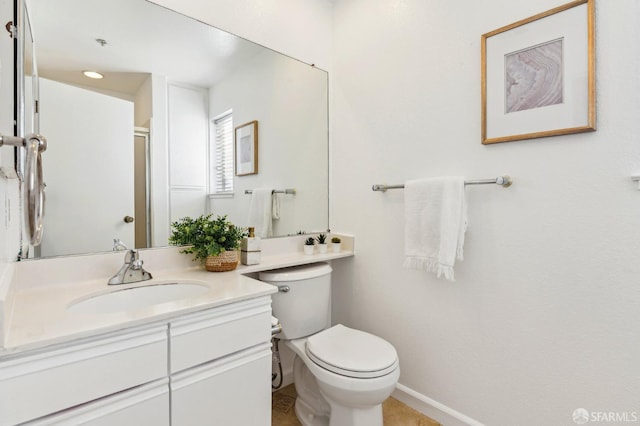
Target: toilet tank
303 302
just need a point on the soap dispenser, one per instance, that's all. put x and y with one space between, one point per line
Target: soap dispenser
250 249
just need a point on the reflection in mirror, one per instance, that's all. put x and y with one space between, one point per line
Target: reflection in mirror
141 141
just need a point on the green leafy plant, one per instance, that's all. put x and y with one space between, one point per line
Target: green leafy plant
322 239
336 240
206 236
309 241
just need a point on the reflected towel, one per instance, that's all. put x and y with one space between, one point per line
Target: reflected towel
275 209
435 224
260 211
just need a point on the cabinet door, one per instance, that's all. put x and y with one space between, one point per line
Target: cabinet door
233 391
144 405
39 383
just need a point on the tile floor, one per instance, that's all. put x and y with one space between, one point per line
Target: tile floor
395 412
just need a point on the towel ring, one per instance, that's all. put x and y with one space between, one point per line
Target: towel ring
34 145
33 195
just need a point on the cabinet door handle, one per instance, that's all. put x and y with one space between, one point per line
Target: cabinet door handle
128 219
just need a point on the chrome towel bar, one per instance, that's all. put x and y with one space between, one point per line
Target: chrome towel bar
505 181
275 191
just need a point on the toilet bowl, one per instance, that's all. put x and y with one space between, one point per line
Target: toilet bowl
341 375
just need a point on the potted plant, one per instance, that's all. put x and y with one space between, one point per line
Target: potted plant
308 245
214 242
336 245
322 243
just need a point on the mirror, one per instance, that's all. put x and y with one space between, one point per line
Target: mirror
137 144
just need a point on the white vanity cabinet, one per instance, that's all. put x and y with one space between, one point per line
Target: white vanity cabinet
45 381
220 363
204 368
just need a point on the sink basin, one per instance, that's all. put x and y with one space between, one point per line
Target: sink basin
128 299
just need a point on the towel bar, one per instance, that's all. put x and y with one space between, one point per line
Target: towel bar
505 181
275 191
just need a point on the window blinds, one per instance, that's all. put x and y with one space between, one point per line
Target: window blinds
222 169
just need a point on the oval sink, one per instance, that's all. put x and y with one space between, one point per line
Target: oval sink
129 299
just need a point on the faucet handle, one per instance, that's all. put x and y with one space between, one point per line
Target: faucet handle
131 256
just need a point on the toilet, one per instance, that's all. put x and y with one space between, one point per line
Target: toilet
341 375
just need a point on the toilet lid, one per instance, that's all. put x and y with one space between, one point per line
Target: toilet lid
352 353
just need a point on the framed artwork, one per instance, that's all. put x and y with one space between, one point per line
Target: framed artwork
538 75
246 147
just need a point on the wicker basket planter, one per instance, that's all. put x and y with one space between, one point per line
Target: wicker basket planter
225 261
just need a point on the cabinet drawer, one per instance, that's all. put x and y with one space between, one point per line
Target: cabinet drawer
143 405
39 383
232 391
208 335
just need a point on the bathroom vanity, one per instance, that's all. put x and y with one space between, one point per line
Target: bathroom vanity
204 363
186 361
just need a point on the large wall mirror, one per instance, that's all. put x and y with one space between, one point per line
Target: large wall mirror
132 151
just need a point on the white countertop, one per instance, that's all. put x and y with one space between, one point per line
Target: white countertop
35 305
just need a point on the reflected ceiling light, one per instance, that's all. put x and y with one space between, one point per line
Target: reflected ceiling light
92 74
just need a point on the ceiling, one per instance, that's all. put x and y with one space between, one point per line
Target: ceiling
142 38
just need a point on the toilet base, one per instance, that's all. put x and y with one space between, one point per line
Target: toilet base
354 416
306 416
311 407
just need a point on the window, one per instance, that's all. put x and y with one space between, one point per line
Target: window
222 155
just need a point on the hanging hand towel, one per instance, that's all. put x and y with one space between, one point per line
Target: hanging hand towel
435 223
260 211
275 210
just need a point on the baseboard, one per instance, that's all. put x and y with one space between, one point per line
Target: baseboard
445 415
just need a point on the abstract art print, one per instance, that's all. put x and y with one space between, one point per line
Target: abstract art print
538 76
246 148
533 77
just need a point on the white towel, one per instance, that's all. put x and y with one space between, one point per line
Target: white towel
260 211
435 223
275 210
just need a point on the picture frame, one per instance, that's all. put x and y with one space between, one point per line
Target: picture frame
538 75
246 148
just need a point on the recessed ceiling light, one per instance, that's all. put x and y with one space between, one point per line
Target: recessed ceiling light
92 74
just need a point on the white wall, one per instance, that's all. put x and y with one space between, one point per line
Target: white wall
143 104
543 317
289 100
159 153
188 138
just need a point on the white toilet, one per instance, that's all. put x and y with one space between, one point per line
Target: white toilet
341 375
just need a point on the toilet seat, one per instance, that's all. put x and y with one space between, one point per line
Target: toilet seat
352 353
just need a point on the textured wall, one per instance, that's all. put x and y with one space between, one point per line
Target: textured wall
543 316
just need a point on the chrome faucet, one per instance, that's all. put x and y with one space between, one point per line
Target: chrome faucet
131 271
118 245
